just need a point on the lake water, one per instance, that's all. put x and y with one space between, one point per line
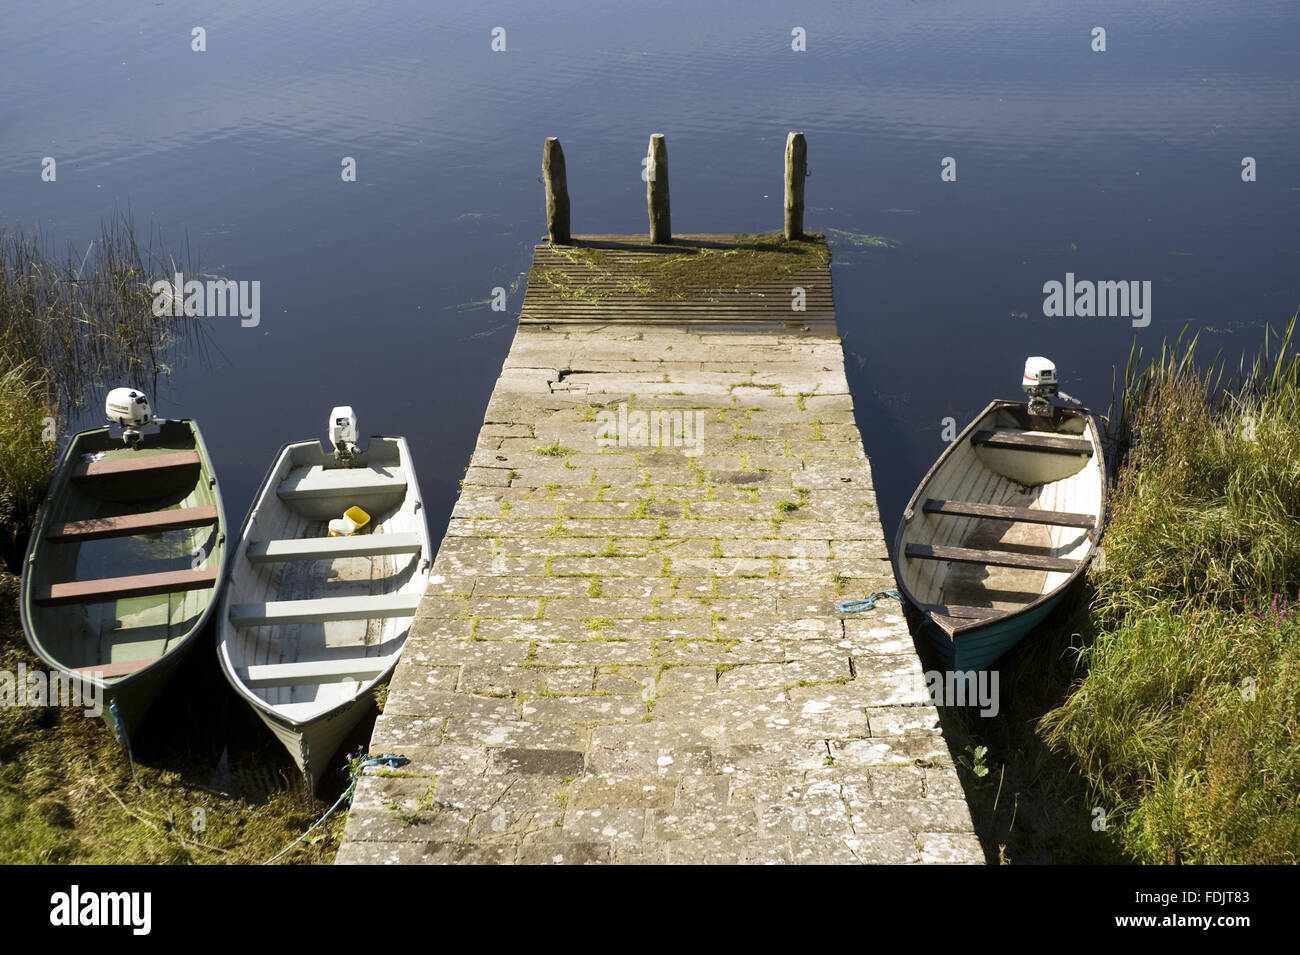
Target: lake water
1116 165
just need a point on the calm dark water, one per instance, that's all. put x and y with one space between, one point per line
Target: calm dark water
1119 165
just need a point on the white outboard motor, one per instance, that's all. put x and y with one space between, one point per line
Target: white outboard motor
1040 384
343 434
129 409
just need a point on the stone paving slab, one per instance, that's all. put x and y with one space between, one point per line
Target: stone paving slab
630 653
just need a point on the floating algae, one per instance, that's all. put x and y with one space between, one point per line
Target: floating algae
862 240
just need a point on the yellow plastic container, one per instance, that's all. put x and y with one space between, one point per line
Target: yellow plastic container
354 518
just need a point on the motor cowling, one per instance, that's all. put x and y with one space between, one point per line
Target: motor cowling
1040 384
343 433
130 410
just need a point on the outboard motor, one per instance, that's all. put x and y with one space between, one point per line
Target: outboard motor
343 434
1040 384
129 409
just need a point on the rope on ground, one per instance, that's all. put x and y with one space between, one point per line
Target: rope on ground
120 732
384 759
867 603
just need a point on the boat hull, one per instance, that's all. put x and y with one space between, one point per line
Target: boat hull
981 647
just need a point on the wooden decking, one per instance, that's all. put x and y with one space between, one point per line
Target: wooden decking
607 272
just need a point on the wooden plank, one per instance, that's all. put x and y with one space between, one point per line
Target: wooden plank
991 558
320 609
333 482
625 257
331 548
1002 512
959 612
113 467
126 525
307 672
119 588
108 671
1020 441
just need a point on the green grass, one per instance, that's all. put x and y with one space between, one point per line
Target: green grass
555 450
27 422
1186 720
67 795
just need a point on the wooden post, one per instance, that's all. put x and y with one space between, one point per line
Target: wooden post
656 191
557 192
796 168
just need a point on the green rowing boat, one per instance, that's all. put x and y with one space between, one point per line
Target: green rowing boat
124 564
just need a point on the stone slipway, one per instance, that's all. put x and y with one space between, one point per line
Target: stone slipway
631 653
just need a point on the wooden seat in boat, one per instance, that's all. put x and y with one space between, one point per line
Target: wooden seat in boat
109 671
126 525
1023 441
991 558
320 609
317 482
329 548
119 588
957 611
1004 513
316 671
114 467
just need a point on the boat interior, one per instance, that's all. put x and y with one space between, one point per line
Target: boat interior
130 555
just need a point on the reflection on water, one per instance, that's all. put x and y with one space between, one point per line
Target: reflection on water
1121 165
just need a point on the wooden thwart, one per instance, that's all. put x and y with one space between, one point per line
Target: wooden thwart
126 525
1020 441
1004 513
316 671
109 671
992 558
119 588
960 612
113 467
330 548
333 482
320 609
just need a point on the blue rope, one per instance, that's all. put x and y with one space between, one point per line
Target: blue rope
384 759
868 603
120 732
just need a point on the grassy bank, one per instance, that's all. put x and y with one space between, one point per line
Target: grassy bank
211 785
1167 701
